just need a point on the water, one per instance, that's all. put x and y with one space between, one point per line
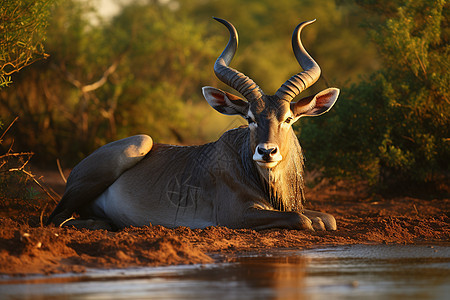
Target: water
344 272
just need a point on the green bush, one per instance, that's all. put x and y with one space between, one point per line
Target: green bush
22 28
393 127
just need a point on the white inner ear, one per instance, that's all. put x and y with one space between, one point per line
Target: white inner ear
209 94
320 104
219 100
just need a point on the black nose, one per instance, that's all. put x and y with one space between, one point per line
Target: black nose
269 151
266 153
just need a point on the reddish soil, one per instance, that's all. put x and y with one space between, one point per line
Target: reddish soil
26 247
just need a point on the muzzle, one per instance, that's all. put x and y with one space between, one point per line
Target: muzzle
267 155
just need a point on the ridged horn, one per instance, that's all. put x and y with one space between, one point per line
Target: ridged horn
301 81
233 78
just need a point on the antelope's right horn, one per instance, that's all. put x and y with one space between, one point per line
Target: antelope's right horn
233 78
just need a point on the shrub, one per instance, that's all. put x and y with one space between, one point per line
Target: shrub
393 127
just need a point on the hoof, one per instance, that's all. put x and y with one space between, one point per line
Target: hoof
321 221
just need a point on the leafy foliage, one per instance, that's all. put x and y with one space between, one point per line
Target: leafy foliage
165 64
393 127
22 26
134 70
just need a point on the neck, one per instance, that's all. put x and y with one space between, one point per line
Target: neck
283 185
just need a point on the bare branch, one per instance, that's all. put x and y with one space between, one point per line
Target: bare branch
1 138
101 81
16 154
93 86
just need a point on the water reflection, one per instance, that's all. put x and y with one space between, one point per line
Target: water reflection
348 272
267 276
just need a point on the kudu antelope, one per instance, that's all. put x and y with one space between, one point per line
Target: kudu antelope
251 177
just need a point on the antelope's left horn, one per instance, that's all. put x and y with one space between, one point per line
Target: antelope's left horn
301 81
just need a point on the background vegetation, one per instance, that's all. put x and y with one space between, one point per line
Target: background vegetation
392 128
22 25
141 71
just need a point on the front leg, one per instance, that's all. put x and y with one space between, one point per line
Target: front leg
259 219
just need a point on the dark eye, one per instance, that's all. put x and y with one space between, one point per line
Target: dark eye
288 120
250 120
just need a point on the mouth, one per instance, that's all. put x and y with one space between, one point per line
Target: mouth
267 164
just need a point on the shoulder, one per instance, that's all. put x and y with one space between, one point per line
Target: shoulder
238 134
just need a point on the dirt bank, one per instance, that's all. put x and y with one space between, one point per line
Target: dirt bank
26 247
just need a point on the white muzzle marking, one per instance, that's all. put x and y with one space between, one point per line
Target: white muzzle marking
267 155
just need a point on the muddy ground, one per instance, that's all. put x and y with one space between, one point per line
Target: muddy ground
26 247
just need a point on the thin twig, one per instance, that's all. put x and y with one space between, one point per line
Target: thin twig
1 138
60 171
9 154
415 208
42 215
10 147
67 220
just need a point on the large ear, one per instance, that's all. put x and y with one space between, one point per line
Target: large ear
315 105
224 102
